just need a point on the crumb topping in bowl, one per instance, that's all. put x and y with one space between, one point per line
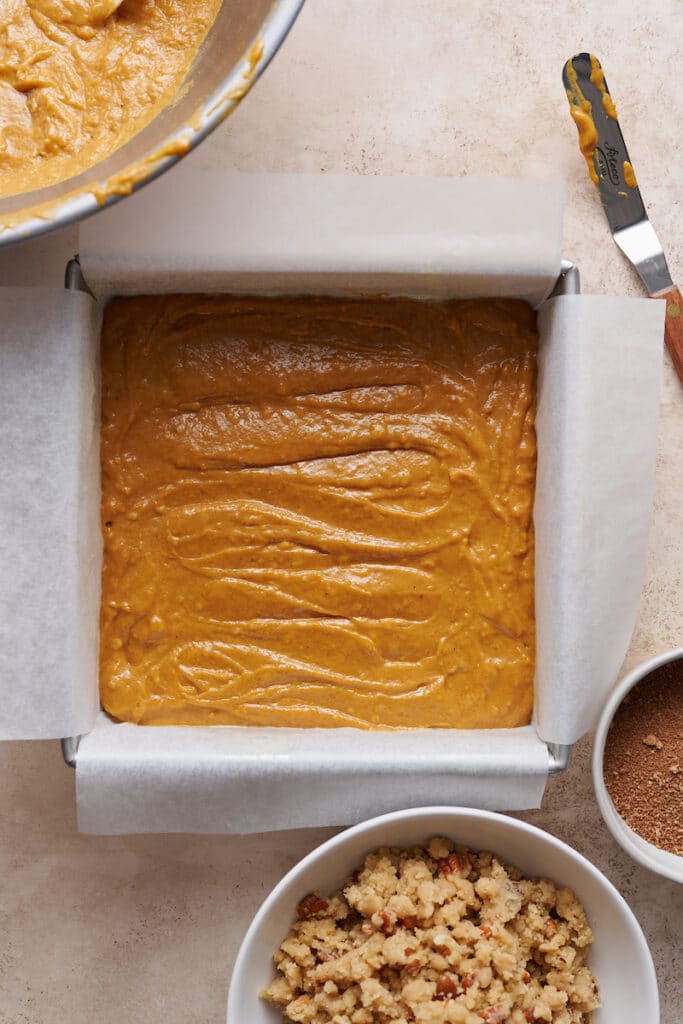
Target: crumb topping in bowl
432 935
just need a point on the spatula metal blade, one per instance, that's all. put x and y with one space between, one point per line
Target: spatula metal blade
609 166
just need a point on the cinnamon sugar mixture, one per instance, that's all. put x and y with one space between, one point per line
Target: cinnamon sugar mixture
643 764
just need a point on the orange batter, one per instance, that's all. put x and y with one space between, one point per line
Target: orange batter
78 78
318 512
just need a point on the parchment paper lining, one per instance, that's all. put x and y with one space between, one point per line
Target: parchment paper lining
598 399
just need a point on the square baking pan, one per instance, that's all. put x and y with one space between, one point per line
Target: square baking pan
568 283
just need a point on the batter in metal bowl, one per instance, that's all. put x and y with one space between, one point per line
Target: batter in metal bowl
78 78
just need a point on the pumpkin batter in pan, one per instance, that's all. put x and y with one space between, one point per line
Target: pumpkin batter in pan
318 512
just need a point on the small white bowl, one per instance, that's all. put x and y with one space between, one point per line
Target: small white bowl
619 957
670 865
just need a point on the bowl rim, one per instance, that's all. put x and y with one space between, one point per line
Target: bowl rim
610 815
38 218
455 812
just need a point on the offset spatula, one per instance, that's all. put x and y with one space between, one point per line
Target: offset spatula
609 166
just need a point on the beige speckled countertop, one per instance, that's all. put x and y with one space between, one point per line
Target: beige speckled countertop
100 931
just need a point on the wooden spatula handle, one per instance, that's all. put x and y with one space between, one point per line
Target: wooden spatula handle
673 326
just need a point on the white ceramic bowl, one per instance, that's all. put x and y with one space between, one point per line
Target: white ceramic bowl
620 957
664 863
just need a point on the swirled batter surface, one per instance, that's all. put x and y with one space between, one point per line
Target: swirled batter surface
318 512
79 78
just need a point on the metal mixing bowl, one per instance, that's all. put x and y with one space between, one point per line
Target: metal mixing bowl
239 46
